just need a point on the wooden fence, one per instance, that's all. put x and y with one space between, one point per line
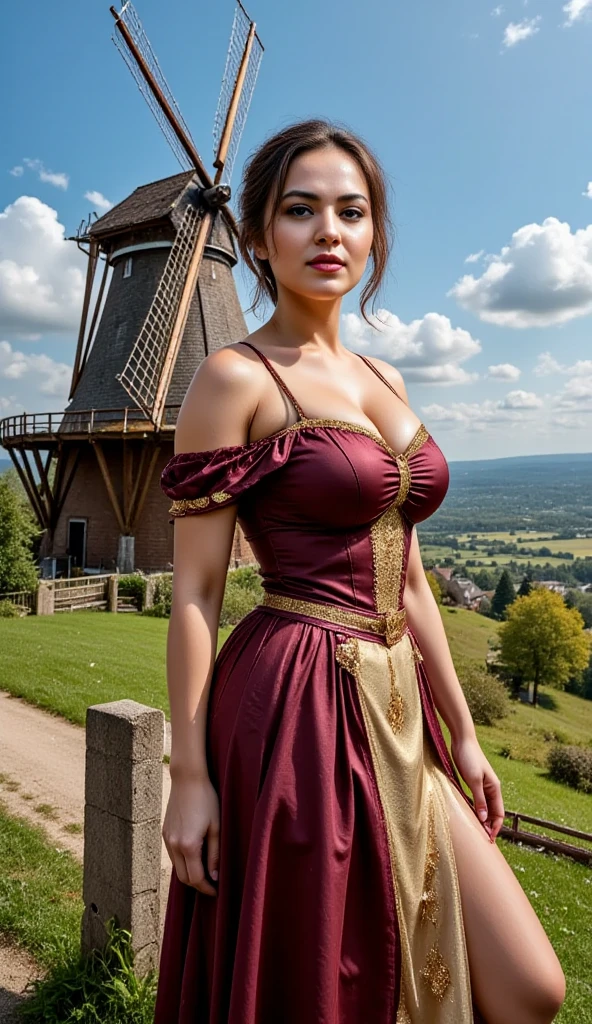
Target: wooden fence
539 840
80 592
23 599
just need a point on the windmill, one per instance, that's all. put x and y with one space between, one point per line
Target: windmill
170 299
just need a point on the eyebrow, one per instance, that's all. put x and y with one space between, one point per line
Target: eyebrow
313 195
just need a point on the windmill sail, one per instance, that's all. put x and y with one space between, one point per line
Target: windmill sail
244 43
136 50
143 370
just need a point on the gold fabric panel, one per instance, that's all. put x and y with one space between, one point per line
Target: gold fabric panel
435 980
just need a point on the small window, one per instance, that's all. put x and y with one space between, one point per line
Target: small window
127 267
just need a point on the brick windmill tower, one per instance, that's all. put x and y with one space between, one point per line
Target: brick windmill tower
92 472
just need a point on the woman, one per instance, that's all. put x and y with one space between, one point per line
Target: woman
328 866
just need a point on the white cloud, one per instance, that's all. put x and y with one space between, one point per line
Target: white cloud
588 192
516 408
497 11
98 199
41 274
517 32
58 178
547 365
17 172
575 9
474 257
428 350
576 395
503 371
544 277
40 372
521 400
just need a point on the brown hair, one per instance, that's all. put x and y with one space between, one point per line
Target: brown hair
265 174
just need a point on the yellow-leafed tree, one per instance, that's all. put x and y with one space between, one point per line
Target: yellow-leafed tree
543 641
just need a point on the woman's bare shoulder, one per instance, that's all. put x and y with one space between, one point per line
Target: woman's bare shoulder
393 376
220 401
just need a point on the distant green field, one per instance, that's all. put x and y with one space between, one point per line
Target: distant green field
580 547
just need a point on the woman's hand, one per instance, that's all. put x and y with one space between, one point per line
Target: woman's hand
192 814
481 779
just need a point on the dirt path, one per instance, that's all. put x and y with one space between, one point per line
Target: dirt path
42 761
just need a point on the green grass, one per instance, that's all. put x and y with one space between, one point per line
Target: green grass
468 633
561 893
66 662
40 892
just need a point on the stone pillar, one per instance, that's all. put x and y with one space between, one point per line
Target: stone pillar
150 588
45 601
122 826
113 586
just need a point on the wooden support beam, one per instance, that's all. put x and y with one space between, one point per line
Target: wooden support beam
28 481
145 487
93 324
90 276
109 484
128 466
64 479
137 483
44 481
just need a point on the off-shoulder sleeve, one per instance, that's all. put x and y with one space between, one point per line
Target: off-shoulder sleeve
202 481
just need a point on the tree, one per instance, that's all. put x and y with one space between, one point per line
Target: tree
583 602
525 587
543 641
17 533
434 587
504 595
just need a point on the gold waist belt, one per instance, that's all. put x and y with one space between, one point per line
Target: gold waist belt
391 624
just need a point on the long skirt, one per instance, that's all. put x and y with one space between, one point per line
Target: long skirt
338 900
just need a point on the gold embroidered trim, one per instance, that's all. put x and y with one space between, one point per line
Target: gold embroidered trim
403 1015
395 710
405 481
183 505
392 624
417 441
430 904
347 654
435 973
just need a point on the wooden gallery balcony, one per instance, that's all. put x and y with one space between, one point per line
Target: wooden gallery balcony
50 429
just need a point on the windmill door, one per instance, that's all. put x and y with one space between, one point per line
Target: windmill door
77 542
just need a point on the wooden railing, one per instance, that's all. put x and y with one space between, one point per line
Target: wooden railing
80 592
24 599
84 421
540 840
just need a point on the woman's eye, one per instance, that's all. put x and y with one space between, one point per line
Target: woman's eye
293 210
353 209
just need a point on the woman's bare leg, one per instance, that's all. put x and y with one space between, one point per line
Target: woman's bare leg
516 976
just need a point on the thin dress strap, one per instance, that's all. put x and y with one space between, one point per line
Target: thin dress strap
278 379
378 374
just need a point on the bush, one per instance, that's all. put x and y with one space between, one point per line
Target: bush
133 585
486 695
9 610
243 591
163 592
571 765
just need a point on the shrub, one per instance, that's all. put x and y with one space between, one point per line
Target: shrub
486 695
243 591
571 765
163 593
133 585
9 610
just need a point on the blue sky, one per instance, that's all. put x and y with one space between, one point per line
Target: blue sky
478 113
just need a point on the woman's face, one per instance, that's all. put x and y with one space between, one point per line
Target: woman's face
324 209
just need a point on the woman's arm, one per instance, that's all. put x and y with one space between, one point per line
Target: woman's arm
216 412
426 623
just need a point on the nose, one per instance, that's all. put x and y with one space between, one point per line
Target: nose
328 232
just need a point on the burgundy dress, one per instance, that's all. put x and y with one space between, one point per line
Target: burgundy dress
338 899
